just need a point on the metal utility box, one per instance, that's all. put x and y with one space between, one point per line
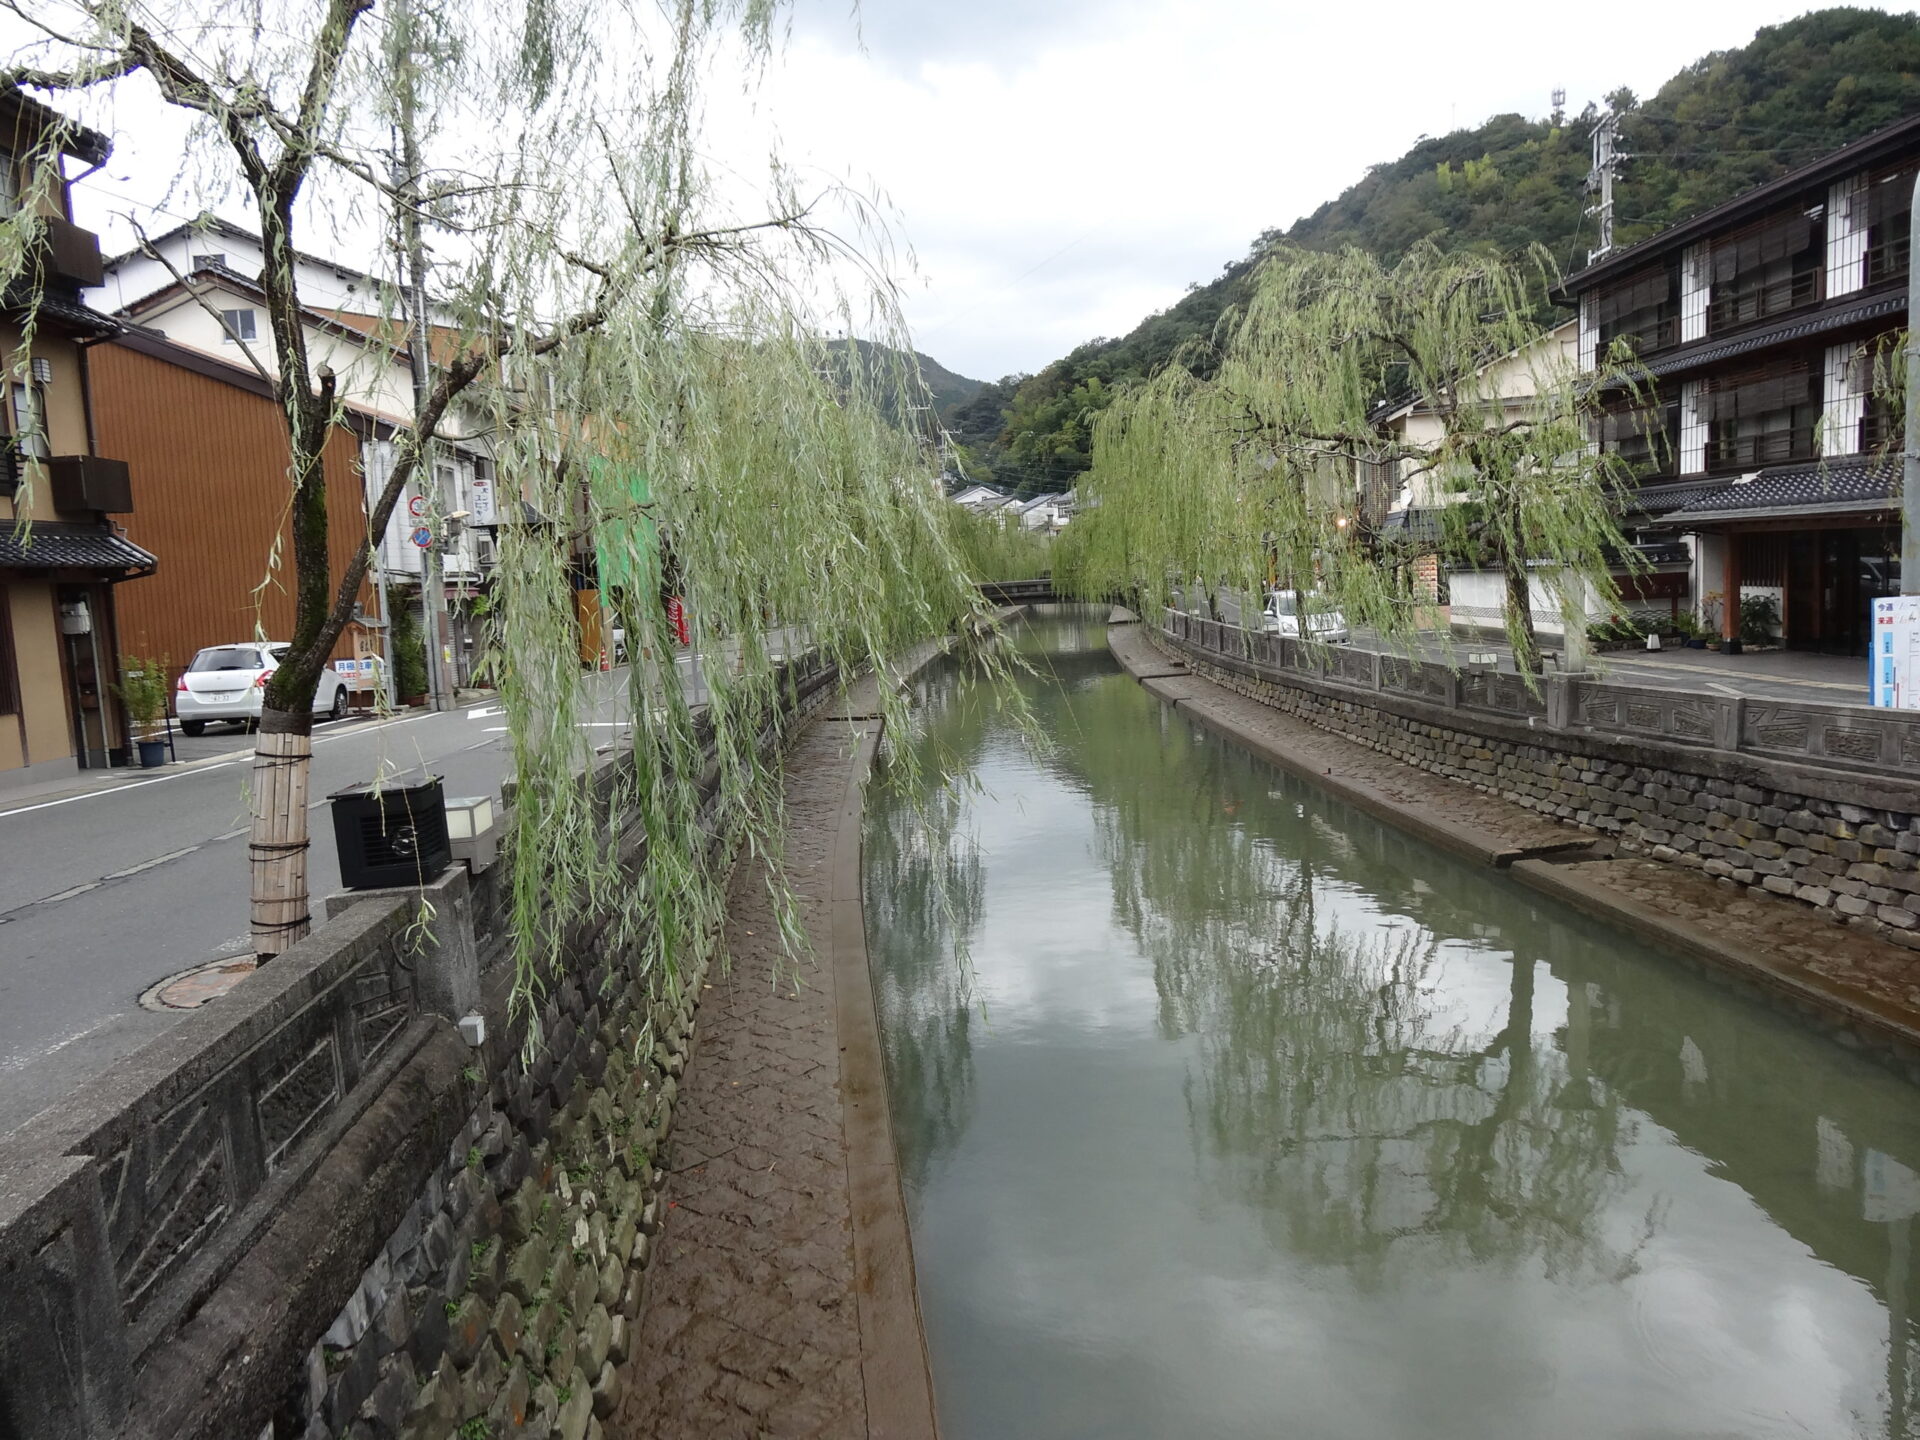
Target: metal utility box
391 834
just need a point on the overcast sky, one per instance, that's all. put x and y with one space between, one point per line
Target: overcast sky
1064 168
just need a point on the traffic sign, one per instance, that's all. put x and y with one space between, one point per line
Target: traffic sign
417 506
423 537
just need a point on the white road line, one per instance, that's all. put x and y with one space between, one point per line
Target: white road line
65 894
20 1062
244 757
148 864
231 834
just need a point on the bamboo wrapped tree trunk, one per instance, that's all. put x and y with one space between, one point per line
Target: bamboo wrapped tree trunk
277 846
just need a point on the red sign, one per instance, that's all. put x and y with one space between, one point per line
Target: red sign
677 617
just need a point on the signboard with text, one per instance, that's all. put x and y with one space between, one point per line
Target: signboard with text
1895 658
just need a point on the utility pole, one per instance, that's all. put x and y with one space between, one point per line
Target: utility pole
1606 160
1910 469
414 257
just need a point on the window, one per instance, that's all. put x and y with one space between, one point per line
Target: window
238 323
1774 266
1640 311
1646 437
227 657
29 417
1888 202
9 184
212 260
1763 416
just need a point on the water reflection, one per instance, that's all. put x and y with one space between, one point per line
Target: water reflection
1254 1117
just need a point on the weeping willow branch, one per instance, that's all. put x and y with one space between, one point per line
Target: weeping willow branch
1274 469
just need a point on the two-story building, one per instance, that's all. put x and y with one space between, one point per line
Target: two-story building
207 305
1761 328
61 554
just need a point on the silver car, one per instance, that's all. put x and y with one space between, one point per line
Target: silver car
1312 617
229 682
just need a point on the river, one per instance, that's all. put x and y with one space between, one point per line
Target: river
1226 1110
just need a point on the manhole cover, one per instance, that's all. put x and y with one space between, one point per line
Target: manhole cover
191 989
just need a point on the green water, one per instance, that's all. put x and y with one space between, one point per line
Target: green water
1246 1115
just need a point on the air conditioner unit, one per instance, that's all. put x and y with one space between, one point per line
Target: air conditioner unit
483 552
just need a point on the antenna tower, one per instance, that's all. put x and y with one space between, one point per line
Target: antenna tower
1606 160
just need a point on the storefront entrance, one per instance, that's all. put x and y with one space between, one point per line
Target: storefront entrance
1832 578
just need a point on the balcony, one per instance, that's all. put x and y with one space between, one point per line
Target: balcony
1645 337
1887 261
1744 304
1750 452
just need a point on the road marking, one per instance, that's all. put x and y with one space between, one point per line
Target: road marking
66 894
148 864
202 767
20 1062
231 834
485 711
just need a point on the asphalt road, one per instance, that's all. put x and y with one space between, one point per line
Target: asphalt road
106 891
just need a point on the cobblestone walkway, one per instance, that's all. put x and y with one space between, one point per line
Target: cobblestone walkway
752 1324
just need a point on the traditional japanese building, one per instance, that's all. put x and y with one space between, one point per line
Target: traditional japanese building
1761 329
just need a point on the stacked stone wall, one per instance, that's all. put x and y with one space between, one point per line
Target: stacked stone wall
1860 863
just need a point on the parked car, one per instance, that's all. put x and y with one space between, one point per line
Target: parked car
1284 616
229 682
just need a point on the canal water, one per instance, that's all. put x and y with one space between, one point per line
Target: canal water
1225 1110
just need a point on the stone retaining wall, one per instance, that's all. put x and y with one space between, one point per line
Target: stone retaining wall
318 1209
1746 819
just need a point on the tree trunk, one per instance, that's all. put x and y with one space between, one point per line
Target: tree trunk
277 845
1526 650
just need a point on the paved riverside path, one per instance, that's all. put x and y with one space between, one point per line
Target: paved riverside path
1788 949
781 1301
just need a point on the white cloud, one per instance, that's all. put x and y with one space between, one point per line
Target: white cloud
1064 169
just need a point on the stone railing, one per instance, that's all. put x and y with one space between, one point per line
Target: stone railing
1853 738
275 1211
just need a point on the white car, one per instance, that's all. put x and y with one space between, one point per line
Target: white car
229 682
1283 616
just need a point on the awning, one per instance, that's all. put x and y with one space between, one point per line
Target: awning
48 545
1846 484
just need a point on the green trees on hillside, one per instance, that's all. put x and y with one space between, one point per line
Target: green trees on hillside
1726 123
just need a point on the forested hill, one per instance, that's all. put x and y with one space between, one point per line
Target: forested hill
1724 124
945 389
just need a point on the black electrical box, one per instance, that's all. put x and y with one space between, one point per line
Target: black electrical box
391 834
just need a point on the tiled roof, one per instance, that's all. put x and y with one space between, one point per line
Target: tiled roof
1661 499
50 546
1795 327
1844 483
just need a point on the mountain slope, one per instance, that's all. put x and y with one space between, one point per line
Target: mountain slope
1724 124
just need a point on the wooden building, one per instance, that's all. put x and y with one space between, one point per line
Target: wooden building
59 573
210 444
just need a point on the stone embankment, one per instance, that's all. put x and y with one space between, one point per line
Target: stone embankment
1507 804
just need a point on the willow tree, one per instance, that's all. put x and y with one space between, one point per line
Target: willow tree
639 351
1258 459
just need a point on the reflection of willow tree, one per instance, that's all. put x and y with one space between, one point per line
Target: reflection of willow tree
922 874
922 894
1366 1131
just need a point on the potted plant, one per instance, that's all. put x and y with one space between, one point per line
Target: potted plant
1759 618
143 695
